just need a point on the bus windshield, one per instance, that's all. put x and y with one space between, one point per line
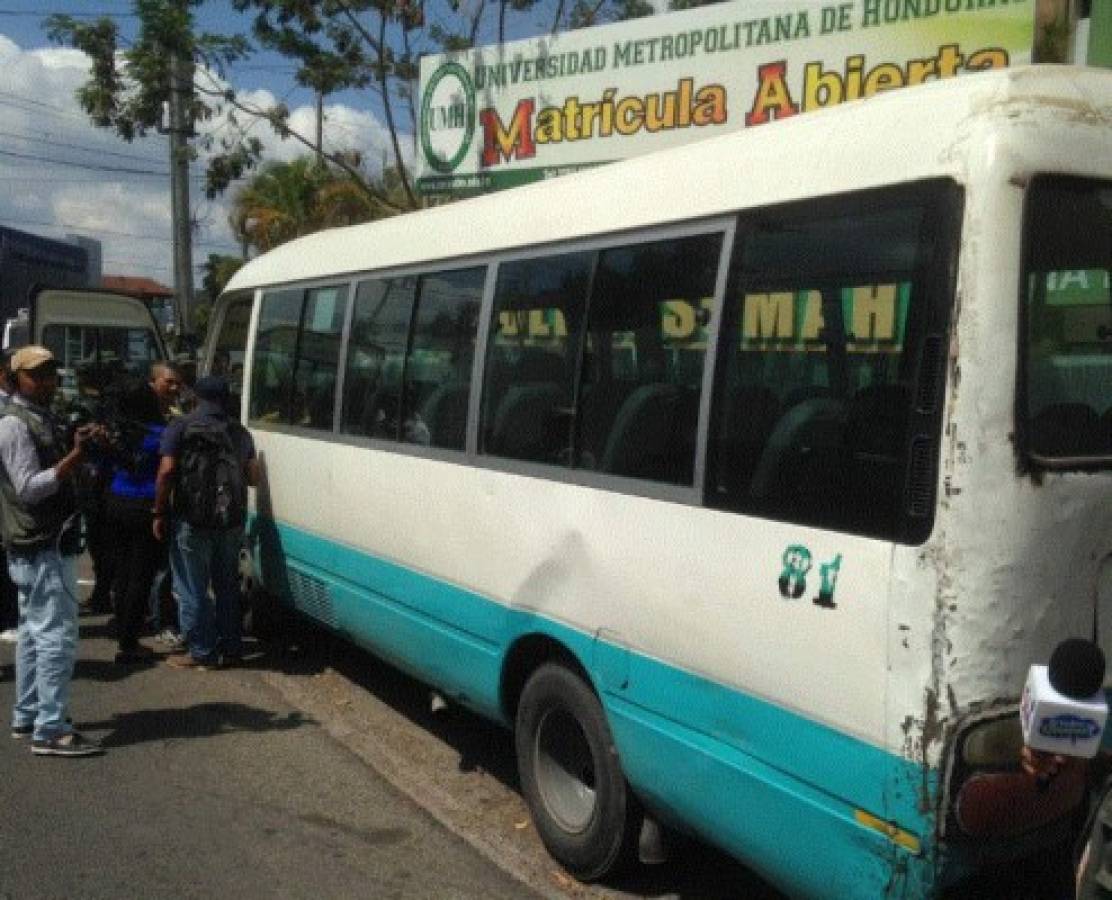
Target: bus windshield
1069 321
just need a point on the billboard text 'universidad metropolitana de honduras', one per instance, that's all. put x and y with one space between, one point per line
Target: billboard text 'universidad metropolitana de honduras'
506 114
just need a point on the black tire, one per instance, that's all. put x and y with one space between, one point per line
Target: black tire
571 776
1094 868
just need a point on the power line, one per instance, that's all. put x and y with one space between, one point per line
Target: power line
91 166
43 13
109 231
85 148
14 100
127 234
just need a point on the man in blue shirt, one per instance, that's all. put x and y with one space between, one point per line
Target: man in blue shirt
41 531
128 503
204 547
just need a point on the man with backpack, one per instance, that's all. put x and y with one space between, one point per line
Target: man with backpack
208 460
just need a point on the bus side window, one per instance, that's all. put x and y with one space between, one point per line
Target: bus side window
275 346
532 356
318 358
438 365
376 356
639 397
816 363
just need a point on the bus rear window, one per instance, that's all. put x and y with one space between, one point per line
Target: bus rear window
1067 405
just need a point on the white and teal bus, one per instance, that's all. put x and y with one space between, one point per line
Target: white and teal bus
743 481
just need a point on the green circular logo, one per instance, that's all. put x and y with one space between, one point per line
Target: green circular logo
447 117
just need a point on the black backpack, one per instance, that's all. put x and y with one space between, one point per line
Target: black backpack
210 491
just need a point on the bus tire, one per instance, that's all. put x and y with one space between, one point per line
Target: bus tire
1094 868
571 776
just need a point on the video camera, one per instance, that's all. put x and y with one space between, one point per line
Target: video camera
119 441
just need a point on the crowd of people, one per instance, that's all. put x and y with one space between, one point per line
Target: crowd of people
150 490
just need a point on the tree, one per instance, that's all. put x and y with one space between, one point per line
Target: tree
287 200
336 44
217 272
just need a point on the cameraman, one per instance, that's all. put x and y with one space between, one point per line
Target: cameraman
42 534
143 414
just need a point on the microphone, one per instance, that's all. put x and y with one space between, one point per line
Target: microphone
1063 709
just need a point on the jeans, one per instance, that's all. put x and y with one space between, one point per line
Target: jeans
138 556
47 648
200 557
156 599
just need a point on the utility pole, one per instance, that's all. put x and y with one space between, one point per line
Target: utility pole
181 129
320 129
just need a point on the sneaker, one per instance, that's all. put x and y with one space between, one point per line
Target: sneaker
170 640
230 660
9 635
187 661
72 744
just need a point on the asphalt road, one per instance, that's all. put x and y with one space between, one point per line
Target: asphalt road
213 785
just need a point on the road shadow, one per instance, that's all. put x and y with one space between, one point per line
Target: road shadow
694 871
96 627
107 671
203 720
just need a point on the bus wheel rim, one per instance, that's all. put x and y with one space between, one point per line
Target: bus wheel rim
565 770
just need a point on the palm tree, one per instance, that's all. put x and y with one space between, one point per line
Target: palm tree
290 199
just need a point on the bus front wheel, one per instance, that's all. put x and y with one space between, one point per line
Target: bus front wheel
571 777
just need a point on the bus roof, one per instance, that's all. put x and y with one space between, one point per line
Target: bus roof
902 136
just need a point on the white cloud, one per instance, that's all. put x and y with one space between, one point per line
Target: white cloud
41 123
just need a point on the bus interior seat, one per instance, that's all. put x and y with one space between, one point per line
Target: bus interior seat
750 414
510 366
445 414
648 437
525 424
320 400
598 410
1068 429
805 454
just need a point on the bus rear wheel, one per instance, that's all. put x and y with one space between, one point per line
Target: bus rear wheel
570 775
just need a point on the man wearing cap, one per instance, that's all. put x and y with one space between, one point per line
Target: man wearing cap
204 552
41 531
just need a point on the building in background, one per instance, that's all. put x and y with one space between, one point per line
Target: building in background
30 260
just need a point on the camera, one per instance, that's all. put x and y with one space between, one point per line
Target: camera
118 441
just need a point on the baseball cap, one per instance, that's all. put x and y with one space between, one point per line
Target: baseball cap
31 357
212 388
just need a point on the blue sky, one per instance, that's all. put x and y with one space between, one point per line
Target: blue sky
59 174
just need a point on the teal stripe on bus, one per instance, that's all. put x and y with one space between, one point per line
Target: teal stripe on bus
766 784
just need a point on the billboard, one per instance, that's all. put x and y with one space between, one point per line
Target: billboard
507 114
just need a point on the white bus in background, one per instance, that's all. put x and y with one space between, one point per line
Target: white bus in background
97 336
744 481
